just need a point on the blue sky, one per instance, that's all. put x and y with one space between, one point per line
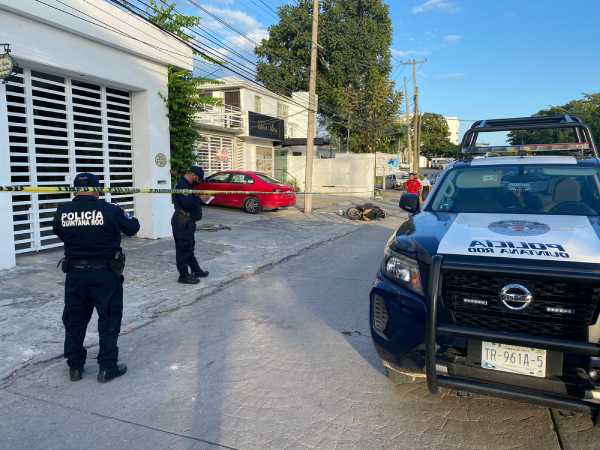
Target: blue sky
485 58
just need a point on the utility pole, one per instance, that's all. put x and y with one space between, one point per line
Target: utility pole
312 90
416 150
408 127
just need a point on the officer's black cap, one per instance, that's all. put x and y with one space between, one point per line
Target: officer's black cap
197 170
86 179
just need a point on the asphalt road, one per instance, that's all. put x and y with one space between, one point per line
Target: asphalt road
282 359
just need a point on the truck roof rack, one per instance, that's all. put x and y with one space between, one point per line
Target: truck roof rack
584 146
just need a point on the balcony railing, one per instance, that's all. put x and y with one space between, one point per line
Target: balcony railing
226 116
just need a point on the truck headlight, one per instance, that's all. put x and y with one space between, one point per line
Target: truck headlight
404 270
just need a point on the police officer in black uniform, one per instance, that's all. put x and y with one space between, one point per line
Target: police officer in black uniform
188 210
91 230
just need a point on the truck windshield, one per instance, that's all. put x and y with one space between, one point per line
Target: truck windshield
520 189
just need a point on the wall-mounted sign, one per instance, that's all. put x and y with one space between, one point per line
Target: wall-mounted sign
265 126
222 155
160 160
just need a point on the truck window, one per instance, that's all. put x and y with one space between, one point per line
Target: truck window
520 189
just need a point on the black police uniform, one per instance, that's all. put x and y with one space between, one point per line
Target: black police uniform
188 210
91 231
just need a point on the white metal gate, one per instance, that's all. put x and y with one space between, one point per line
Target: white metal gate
59 127
215 153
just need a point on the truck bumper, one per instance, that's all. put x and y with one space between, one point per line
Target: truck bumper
443 372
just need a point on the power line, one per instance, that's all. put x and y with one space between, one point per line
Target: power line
215 54
237 73
205 51
101 24
139 13
218 19
269 7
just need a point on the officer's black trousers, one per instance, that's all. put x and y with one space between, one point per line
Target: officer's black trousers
84 290
183 232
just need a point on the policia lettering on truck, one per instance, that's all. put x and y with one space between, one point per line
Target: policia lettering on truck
518 248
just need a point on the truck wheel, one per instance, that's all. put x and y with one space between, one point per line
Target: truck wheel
252 205
400 377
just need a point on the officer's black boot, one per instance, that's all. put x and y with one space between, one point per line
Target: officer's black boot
75 374
105 375
188 279
200 274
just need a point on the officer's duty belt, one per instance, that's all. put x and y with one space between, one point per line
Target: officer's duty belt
84 263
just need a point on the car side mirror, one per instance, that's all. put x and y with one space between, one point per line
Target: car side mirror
409 203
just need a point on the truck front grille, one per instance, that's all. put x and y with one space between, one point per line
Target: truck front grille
559 308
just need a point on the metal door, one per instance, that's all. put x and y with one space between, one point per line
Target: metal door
59 127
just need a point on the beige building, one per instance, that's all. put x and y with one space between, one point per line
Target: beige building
454 128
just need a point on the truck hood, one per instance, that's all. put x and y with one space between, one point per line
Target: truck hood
517 236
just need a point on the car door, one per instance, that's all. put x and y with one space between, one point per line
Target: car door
241 182
218 182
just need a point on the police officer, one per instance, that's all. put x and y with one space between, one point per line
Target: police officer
188 210
91 230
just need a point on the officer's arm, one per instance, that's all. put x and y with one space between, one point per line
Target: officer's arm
127 224
57 228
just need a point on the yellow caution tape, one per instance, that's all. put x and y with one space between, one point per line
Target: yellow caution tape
128 190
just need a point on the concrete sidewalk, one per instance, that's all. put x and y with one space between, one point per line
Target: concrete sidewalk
31 295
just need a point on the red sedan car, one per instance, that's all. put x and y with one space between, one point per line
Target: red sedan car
276 194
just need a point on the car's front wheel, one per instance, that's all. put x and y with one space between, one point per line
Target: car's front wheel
252 205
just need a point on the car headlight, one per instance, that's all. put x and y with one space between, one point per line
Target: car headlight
404 270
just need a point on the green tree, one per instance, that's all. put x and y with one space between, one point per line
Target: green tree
587 109
435 136
184 99
353 85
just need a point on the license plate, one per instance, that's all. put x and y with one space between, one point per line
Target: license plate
513 359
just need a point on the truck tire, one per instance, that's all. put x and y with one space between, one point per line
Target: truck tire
401 377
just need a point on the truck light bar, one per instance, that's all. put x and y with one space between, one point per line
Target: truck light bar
527 148
584 143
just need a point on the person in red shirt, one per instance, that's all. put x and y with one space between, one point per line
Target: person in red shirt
413 185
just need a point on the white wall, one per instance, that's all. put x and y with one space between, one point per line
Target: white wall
298 116
352 173
7 244
36 44
143 38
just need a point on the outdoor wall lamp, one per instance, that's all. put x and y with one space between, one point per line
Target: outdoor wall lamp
7 64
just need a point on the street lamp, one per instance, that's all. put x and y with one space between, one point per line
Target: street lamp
7 64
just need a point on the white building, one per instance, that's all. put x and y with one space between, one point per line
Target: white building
85 98
244 131
453 128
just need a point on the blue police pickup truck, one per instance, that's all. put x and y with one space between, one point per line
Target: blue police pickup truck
493 285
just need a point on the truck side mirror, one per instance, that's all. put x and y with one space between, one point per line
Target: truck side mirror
409 203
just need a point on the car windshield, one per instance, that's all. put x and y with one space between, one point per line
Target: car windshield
520 189
268 179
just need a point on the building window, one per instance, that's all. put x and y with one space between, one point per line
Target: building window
232 98
264 160
282 110
257 103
